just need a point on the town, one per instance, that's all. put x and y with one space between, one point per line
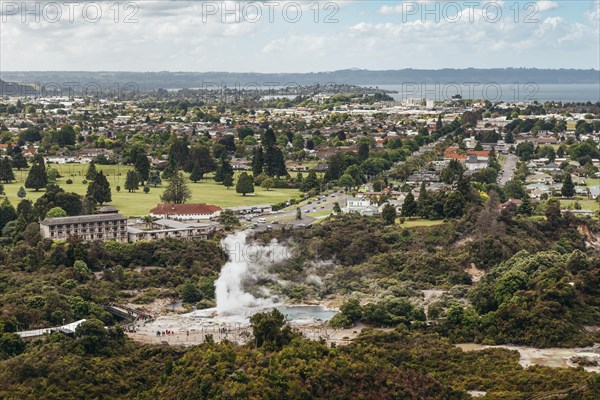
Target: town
284 162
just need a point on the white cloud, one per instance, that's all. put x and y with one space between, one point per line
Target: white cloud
545 5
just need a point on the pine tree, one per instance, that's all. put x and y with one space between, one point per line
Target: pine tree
568 188
21 193
223 169
99 189
525 208
197 173
228 180
178 191
245 184
132 181
142 167
409 207
37 177
389 214
424 202
91 172
154 178
19 161
6 173
257 161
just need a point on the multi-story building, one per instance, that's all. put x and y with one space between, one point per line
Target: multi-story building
105 227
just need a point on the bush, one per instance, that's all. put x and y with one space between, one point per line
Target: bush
69 181
84 182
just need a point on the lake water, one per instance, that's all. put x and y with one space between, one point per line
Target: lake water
305 312
493 92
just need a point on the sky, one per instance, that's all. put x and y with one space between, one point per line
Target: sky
297 36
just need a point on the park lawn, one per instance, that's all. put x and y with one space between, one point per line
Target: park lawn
413 223
320 213
139 203
592 182
586 204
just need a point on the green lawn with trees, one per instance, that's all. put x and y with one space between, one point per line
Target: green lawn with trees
138 203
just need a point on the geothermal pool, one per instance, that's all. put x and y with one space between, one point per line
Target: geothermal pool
248 263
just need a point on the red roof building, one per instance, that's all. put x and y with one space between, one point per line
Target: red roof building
186 211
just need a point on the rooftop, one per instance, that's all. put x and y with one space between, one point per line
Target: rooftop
79 219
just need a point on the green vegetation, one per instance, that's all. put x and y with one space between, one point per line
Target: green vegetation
138 203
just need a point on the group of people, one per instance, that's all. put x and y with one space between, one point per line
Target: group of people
165 333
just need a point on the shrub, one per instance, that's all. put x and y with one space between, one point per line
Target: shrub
69 181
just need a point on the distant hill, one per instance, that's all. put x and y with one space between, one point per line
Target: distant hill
178 80
14 89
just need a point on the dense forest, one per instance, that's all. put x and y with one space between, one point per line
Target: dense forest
100 364
538 286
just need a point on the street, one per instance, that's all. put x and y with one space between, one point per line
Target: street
320 206
508 170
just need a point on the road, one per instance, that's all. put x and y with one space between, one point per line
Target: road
508 170
286 217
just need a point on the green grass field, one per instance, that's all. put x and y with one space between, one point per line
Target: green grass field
139 203
586 204
413 223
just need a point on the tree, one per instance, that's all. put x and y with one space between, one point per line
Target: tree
52 174
270 330
99 189
178 191
21 193
509 138
267 184
337 208
146 189
142 167
228 219
257 161
223 169
454 206
514 189
346 181
56 212
228 180
310 182
154 178
132 180
189 293
37 177
525 151
553 213
7 213
6 173
525 208
352 310
363 151
424 202
389 214
409 206
568 188
298 213
92 335
196 173
19 161
245 184
91 171
65 136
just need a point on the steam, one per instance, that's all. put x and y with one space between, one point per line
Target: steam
247 264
